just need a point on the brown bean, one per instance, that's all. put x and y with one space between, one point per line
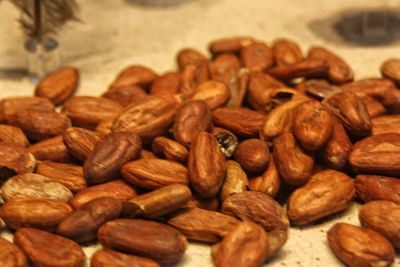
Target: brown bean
203 225
110 258
151 239
117 189
360 247
257 207
154 173
46 249
82 225
246 245
109 154
158 202
43 214
253 155
206 165
11 255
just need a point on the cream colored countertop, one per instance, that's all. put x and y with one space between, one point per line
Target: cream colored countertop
118 33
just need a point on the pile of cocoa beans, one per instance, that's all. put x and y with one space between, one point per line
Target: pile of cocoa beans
228 150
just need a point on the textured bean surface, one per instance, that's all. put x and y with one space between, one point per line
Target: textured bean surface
99 70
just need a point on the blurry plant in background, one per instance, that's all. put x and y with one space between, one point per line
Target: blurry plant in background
41 20
157 3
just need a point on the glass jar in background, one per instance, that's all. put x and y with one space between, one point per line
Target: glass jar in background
374 22
42 57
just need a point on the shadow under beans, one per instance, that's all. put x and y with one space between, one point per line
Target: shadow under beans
158 3
325 221
278 257
13 73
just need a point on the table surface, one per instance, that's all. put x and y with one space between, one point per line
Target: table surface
118 33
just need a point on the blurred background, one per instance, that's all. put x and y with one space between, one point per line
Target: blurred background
113 34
